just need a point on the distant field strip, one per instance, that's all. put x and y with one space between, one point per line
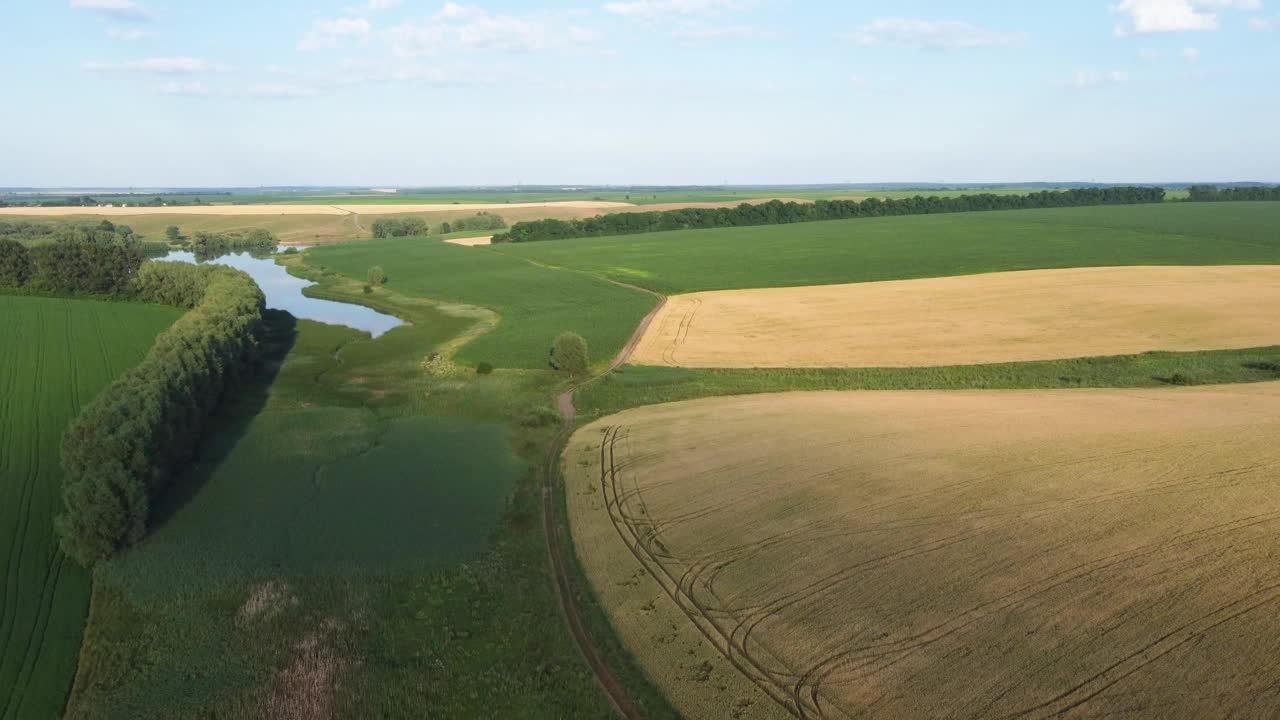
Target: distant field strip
922 246
1014 554
267 210
56 355
971 319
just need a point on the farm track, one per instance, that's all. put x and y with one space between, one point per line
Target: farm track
619 698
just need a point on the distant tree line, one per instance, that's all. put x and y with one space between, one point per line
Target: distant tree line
127 445
1210 193
89 201
776 212
413 226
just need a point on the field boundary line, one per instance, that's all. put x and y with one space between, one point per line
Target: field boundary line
621 701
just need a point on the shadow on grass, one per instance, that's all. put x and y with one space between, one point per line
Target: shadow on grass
228 426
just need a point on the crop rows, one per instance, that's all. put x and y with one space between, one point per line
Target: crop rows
56 356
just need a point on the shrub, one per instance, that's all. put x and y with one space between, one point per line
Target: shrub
569 353
1180 379
399 227
125 447
539 416
377 276
368 290
15 264
173 234
484 368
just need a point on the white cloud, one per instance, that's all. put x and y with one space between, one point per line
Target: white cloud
1190 54
185 89
129 34
1155 16
459 27
1264 25
656 9
117 9
1094 78
944 35
163 66
359 72
699 32
281 91
328 33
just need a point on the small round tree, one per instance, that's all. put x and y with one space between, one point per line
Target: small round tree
569 353
377 276
173 233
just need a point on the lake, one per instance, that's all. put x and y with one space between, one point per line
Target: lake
284 292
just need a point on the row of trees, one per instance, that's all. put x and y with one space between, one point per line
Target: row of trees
207 245
73 260
125 447
1210 193
777 212
414 226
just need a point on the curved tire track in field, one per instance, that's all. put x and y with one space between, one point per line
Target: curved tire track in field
618 696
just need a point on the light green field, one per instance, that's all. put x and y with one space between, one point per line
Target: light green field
535 303
900 248
55 357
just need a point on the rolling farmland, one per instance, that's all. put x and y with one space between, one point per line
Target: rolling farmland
921 532
56 356
922 246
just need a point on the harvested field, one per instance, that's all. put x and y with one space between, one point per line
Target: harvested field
472 241
972 319
930 554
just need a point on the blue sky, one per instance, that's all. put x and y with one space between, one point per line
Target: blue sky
408 92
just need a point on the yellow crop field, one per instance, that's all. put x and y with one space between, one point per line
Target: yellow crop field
970 319
966 554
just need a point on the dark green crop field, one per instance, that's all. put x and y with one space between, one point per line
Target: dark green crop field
901 248
535 303
55 356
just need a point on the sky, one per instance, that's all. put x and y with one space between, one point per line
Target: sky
172 93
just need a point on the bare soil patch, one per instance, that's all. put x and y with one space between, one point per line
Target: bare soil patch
942 554
971 319
472 241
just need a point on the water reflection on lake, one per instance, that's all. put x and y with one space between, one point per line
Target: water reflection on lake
284 292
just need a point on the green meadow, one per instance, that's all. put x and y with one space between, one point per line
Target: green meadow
534 303
919 246
56 355
363 520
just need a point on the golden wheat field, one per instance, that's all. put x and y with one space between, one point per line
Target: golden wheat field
1013 554
970 319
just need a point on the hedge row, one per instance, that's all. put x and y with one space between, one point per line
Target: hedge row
125 447
1210 193
777 212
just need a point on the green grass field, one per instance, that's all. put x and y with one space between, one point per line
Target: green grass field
925 246
360 533
56 355
535 303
